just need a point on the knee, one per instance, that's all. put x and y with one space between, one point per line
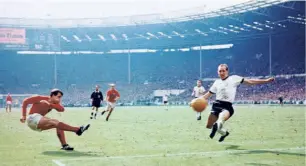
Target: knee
54 123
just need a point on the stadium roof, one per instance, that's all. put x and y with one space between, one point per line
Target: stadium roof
107 13
284 18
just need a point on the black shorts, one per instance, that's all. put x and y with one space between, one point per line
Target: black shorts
219 106
165 102
96 104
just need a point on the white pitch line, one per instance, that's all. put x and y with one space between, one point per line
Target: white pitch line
58 163
180 154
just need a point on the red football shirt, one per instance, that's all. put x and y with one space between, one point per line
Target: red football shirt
9 98
38 107
112 94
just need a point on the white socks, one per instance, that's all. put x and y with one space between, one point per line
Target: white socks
222 131
198 114
220 123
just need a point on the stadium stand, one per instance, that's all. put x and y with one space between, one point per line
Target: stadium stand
260 46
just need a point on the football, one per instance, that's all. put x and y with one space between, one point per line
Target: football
198 104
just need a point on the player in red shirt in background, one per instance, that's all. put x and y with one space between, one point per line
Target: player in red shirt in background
42 105
9 102
112 95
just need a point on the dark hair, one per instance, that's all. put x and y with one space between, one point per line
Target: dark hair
55 92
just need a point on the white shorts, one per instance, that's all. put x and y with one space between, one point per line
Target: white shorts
110 105
33 121
8 103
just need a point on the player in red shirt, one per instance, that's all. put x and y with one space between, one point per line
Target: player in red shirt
112 95
9 102
42 105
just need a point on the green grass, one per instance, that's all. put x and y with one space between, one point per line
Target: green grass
134 132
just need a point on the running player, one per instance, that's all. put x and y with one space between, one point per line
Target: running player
9 102
42 105
225 89
112 96
96 98
198 91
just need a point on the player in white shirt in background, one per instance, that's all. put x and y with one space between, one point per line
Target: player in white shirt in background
198 91
225 89
165 101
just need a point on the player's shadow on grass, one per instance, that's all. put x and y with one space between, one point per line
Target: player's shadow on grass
233 147
257 164
69 154
272 152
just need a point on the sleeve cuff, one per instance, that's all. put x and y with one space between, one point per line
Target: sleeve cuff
212 92
242 81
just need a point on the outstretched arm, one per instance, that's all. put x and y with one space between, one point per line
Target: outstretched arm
207 95
57 106
258 81
212 90
192 94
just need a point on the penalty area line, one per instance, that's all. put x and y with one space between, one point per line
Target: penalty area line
58 163
207 154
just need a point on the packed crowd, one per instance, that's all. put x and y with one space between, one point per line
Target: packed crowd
291 89
76 75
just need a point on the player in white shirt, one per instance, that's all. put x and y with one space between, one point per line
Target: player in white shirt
165 101
225 89
198 91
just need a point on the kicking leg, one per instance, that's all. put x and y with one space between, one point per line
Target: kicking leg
47 123
223 116
224 133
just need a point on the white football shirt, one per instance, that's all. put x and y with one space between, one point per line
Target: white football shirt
225 90
165 98
198 91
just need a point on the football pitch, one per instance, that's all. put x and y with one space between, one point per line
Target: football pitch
152 136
